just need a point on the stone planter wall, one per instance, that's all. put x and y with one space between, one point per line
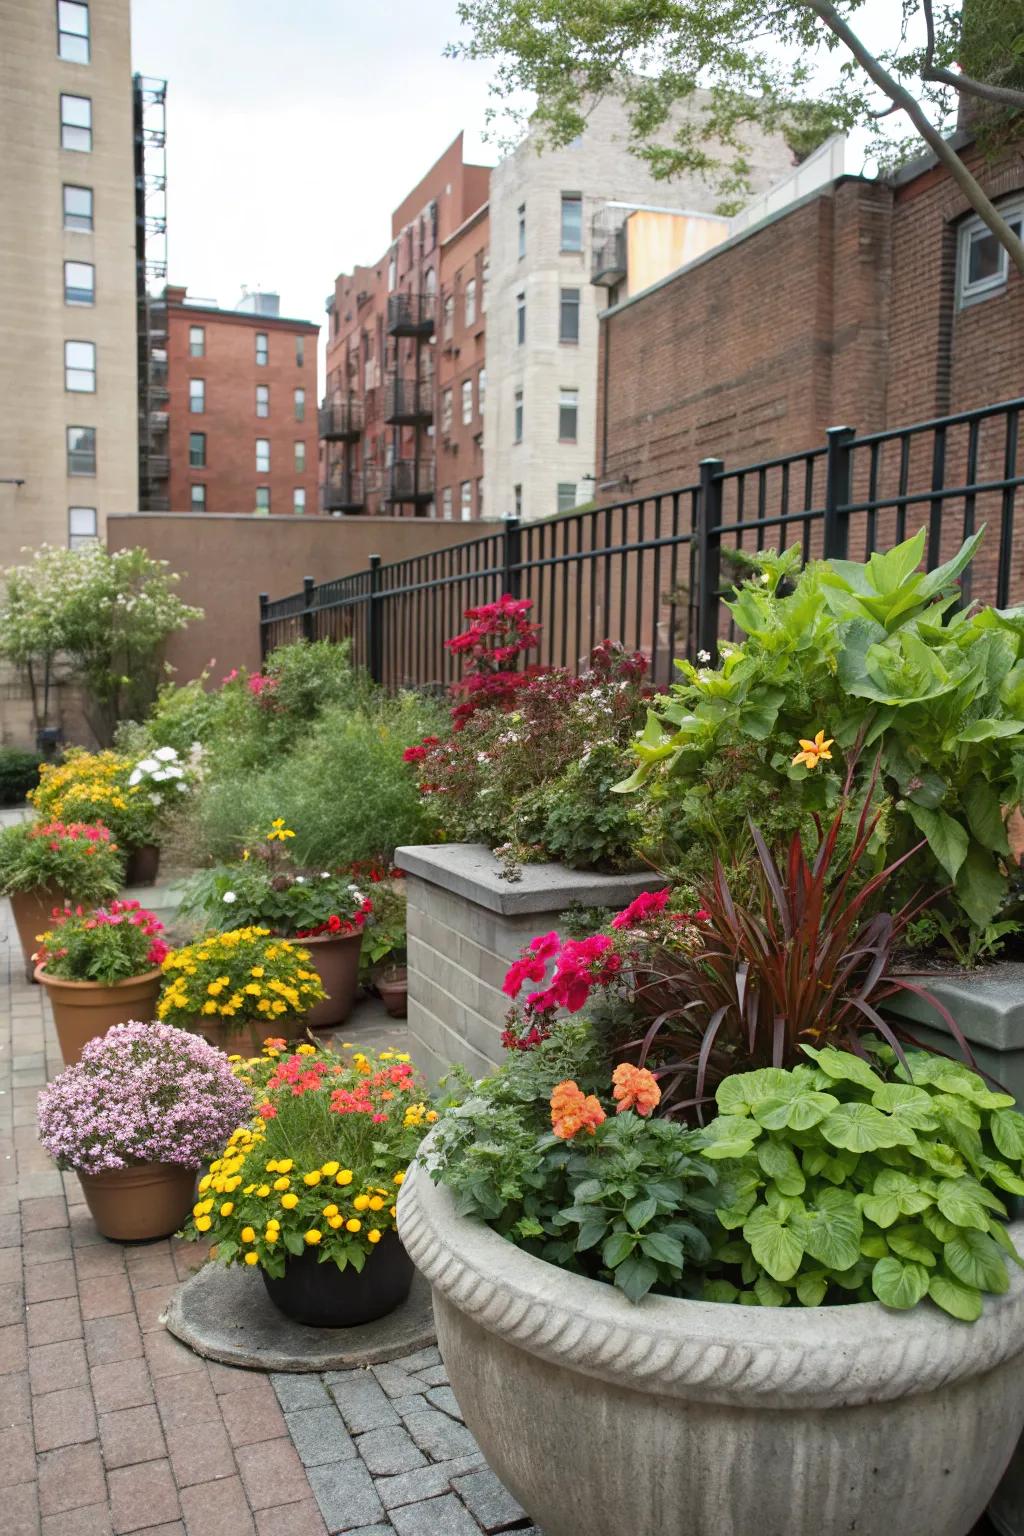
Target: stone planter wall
988 1005
465 926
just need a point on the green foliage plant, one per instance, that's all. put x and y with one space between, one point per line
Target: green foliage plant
107 944
83 863
19 773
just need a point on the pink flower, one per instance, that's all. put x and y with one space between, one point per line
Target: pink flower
647 905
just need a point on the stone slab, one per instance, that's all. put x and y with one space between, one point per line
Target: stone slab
472 871
988 1004
226 1315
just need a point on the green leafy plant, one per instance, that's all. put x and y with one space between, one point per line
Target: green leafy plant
108 944
19 773
384 937
83 863
846 1186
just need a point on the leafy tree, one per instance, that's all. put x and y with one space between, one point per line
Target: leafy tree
757 60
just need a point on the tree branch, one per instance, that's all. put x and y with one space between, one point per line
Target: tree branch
968 184
929 52
1002 95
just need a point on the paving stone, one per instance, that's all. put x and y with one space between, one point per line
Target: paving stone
302 1519
422 1360
396 1382
104 1296
58 1365
71 1478
217 1509
444 1516
150 1305
36 1215
21 1510
10 1265
131 1435
389 1451
425 1482
403 1406
17 1455
346 1495
51 1322
437 1376
299 1389
186 1399
125 1384
441 1437
251 1419
319 1435
361 1399
48 1246
109 1339
15 1402
101 1259
445 1399
64 1418
166 1356
141 1496
488 1500
12 1303
91 1521
271 1473
199 1453
50 1282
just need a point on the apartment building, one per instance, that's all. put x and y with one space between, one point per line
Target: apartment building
241 421
68 371
462 370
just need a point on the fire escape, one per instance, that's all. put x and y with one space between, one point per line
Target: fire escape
409 402
149 103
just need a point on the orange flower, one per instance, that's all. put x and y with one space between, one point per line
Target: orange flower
813 752
573 1111
635 1088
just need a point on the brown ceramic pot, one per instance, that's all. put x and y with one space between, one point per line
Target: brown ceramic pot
143 865
32 911
236 1037
336 959
392 983
135 1204
84 1009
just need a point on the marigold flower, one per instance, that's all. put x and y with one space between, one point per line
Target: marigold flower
289 1201
573 1111
352 1225
373 1236
248 1235
635 1088
813 752
361 1202
344 1176
252 1258
312 1237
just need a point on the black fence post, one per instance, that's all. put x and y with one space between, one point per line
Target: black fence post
264 605
512 556
838 492
308 623
374 628
709 551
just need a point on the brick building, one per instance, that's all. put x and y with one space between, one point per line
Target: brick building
462 370
241 426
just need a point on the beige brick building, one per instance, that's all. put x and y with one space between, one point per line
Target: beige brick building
68 357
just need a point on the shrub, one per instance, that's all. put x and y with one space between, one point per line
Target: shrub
108 944
82 862
19 773
98 787
142 1093
245 973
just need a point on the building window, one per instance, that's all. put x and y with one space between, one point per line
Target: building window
76 123
517 500
467 402
521 231
471 301
78 208
485 279
300 458
566 495
80 367
466 500
446 410
480 497
262 507
520 319
569 315
81 450
300 351
517 417
481 390
300 405
199 498
446 503
568 414
197 450
73 31
197 396
392 270
572 221
263 455
983 265
262 349
262 399
299 500
81 526
449 317
197 341
79 282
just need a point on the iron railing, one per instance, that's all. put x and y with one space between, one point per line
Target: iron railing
653 571
409 401
344 490
409 480
340 420
410 314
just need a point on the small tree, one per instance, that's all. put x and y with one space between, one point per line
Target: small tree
105 615
757 58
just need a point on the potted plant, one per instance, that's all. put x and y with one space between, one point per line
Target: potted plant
324 909
135 1117
237 987
309 1195
44 864
100 967
161 779
384 946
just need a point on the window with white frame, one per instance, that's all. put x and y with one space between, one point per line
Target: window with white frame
566 495
80 367
446 503
466 500
81 450
481 390
467 402
568 415
197 450
983 264
197 396
448 317
79 282
81 526
263 455
262 399
262 507
300 405
471 301
572 221
76 123
198 498
569 315
520 319
73 31
299 500
197 341
78 208
517 416
446 410
300 458
262 349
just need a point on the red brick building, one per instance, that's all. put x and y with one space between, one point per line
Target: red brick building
462 371
241 427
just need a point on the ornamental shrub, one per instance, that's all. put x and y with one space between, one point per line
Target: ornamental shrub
104 787
245 973
320 1165
108 944
19 773
141 1093
81 861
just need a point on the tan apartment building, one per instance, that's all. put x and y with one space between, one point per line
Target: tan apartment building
68 365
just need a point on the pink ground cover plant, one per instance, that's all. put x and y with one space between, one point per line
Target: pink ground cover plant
107 945
142 1093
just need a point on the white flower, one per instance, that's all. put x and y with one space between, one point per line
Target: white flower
159 775
325 874
135 776
703 657
157 799
300 879
147 765
166 755
172 771
229 897
183 787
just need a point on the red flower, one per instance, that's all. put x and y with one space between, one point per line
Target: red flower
647 905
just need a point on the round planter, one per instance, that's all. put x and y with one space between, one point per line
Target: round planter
84 1009
706 1417
239 1037
143 865
324 1296
32 911
132 1205
392 985
336 959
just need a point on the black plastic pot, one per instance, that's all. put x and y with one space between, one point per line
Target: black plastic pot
324 1296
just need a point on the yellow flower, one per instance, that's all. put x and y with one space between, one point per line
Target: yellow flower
272 1166
248 1235
257 970
286 1165
330 1210
361 1202
813 752
289 1201
393 1212
344 1176
312 1179
335 1222
204 1183
252 1258
305 1050
376 1204
312 1237
353 1226
203 1223
329 1170
373 1236
387 1055
227 1207
399 1178
431 1116
263 1191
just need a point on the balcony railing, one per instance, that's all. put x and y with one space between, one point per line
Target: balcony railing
159 466
341 420
344 491
410 480
410 314
608 264
408 401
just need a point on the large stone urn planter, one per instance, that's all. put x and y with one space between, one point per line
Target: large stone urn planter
680 1418
465 925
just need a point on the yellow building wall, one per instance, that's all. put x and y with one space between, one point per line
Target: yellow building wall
660 243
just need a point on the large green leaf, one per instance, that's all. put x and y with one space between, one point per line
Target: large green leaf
773 1245
899 1283
797 1108
914 1242
729 1136
779 1162
635 1276
769 1293
843 1066
944 575
831 1230
991 729
1007 1127
618 1247
985 815
719 1290
975 1260
946 838
980 886
663 1249
811 1288
958 1201
960 1301
862 1128
737 1095
910 1106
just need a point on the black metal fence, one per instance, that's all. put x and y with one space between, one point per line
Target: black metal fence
652 571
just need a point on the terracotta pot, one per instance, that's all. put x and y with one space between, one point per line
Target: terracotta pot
236 1037
336 959
84 1009
31 915
392 985
135 1204
324 1296
143 865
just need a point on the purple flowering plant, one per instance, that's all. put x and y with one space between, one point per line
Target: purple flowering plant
142 1093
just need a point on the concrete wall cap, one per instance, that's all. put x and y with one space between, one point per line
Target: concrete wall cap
471 870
